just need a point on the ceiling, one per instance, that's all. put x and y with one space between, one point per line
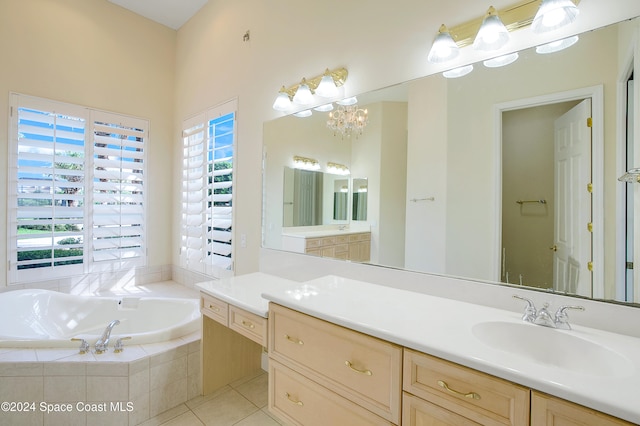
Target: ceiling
172 13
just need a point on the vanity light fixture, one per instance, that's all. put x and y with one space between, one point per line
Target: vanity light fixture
631 176
506 20
305 92
554 14
443 48
337 169
492 35
501 61
458 72
348 101
303 114
558 45
324 108
303 95
305 163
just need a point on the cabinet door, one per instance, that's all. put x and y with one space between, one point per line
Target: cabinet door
547 410
418 412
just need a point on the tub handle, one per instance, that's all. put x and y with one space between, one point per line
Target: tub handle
84 345
119 346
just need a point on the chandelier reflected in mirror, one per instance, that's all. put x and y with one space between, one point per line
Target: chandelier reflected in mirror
347 120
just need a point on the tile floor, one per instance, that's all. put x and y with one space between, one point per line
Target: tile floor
242 403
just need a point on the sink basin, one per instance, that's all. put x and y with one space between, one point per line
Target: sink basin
553 347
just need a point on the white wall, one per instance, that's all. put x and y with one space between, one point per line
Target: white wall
97 54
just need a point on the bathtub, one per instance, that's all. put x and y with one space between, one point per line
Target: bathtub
49 319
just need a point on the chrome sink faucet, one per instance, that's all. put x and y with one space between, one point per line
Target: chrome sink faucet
103 341
543 317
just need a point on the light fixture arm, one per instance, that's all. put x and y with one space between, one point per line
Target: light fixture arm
339 76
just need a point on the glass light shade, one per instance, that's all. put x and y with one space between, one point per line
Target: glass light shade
458 72
631 176
327 87
302 114
556 46
443 48
282 102
554 14
348 101
492 34
303 95
324 108
501 61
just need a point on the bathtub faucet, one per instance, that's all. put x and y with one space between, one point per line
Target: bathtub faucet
103 341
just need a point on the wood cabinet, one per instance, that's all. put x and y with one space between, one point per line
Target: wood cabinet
547 410
465 393
354 247
232 341
360 368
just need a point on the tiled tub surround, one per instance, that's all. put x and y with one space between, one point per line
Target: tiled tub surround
152 377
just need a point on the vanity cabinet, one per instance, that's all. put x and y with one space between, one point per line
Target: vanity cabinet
360 369
547 410
447 393
355 247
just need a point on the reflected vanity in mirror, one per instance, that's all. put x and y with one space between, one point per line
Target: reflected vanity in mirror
456 170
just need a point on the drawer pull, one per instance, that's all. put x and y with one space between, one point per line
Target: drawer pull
471 395
293 401
365 372
293 339
214 308
248 324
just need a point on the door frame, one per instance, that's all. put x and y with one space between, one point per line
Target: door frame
596 93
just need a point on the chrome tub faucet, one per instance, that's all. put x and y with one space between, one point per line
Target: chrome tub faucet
103 341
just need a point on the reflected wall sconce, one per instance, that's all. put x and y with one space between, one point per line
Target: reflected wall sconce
631 176
306 92
491 32
305 163
337 169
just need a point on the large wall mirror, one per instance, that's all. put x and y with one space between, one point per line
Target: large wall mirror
505 175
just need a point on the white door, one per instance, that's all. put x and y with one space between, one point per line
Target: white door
572 212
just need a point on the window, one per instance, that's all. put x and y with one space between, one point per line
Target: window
207 190
76 198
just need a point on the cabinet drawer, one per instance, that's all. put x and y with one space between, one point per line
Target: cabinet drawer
477 396
249 325
365 236
301 401
342 248
328 241
359 367
342 239
214 308
547 410
417 412
313 243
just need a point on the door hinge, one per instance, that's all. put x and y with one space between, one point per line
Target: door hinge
590 227
590 266
590 187
629 265
589 122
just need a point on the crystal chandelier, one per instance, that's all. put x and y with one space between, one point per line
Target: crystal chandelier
347 120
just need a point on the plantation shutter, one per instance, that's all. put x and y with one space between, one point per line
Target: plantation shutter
118 213
47 180
221 142
193 193
207 191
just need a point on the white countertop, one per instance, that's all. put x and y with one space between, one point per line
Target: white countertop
322 233
244 291
443 328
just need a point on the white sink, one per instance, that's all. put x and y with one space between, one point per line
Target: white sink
549 346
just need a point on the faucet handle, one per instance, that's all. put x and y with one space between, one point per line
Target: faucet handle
561 317
529 311
84 345
119 346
